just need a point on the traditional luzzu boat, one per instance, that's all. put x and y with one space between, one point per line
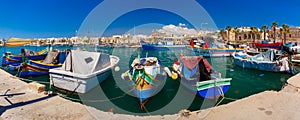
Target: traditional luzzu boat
159 46
265 61
13 61
54 59
145 78
198 76
213 50
167 43
265 44
82 71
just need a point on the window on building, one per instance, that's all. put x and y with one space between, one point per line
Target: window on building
290 35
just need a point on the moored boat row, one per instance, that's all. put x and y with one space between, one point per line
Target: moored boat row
146 75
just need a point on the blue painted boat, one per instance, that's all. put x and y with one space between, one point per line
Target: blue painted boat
35 68
145 78
162 47
209 49
215 52
198 76
14 61
265 61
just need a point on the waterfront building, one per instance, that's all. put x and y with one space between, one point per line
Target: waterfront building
248 34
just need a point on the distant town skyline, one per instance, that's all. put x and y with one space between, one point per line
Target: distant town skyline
62 18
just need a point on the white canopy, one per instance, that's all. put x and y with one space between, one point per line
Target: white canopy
84 62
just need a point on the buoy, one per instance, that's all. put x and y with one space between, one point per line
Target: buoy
117 68
111 110
174 76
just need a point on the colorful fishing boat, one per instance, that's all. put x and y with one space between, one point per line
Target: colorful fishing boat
199 77
145 78
14 61
167 43
162 47
265 61
53 59
265 44
207 49
216 52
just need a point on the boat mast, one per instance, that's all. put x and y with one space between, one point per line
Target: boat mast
4 50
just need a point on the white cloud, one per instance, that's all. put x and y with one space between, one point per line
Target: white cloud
180 30
181 25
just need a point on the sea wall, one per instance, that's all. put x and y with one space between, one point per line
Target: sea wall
17 101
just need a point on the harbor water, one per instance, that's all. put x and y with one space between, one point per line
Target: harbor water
112 97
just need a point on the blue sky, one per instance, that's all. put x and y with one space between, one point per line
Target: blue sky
61 18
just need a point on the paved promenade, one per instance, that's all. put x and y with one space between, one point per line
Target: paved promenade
17 101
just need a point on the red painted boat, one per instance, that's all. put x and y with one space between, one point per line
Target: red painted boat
268 45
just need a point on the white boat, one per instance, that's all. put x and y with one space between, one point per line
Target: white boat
265 61
296 58
82 71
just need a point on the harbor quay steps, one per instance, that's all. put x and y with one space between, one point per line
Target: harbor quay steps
27 104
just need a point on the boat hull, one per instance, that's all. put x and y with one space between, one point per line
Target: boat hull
269 45
33 73
80 83
206 91
145 82
163 47
214 52
264 66
13 61
270 66
33 68
198 76
77 84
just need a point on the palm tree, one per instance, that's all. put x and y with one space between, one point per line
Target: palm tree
254 32
222 32
228 28
236 32
264 28
285 29
274 25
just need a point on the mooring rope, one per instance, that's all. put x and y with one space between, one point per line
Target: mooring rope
146 110
223 96
19 68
